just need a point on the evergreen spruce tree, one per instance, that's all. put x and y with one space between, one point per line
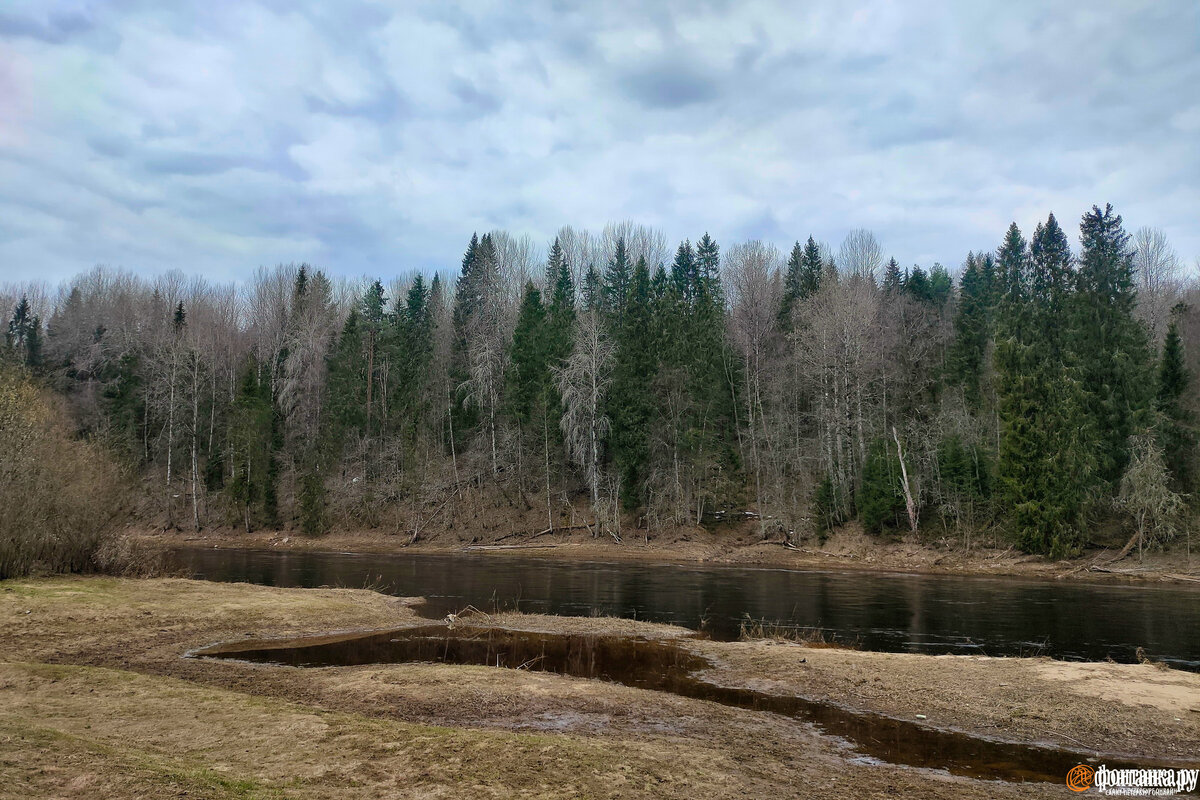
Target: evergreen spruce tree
684 273
470 293
880 500
1045 463
802 279
617 282
812 269
631 399
708 271
1050 283
1110 344
346 395
412 357
972 328
529 375
554 264
791 287
593 291
124 404
893 278
561 311
23 337
916 285
251 450
372 319
1177 429
941 286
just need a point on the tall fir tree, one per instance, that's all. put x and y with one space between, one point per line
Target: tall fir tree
972 328
1050 281
1177 425
791 287
1109 343
802 279
593 290
893 278
1045 461
561 309
684 273
529 355
251 452
708 270
24 335
617 282
631 399
346 396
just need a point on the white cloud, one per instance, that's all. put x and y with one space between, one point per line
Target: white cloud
373 139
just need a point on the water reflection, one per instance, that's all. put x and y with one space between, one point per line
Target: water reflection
879 611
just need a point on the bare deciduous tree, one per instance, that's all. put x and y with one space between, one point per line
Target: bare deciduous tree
1159 273
755 294
860 255
584 382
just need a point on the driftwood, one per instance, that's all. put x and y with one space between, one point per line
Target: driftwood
417 529
476 547
556 529
1115 571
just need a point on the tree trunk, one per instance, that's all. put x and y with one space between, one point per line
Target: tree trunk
910 504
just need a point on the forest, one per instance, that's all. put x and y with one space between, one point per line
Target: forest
1041 395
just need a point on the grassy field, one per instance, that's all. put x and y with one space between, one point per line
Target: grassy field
96 701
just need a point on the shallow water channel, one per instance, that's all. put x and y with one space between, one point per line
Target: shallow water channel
668 666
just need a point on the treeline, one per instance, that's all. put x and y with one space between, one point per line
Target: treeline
616 385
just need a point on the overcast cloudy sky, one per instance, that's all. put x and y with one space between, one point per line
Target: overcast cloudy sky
373 138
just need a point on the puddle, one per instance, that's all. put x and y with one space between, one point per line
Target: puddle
668 667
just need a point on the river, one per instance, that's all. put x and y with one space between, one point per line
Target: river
873 610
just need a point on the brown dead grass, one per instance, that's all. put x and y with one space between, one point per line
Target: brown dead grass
1133 709
95 701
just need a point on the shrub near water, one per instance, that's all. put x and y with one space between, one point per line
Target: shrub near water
59 496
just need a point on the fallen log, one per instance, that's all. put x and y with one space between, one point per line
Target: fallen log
508 546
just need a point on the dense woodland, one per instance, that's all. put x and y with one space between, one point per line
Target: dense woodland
1042 393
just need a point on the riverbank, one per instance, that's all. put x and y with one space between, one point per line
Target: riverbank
95 699
847 549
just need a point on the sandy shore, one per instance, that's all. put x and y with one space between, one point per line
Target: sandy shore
95 700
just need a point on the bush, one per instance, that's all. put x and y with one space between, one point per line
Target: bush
60 496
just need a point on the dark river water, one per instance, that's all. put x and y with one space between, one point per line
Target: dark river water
878 611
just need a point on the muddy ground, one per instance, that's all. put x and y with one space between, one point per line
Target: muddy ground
96 701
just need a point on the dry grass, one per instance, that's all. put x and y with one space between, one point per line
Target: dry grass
752 630
1119 708
95 701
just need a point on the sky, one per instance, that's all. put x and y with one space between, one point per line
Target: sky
373 138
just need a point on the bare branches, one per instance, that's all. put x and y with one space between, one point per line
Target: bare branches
584 382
